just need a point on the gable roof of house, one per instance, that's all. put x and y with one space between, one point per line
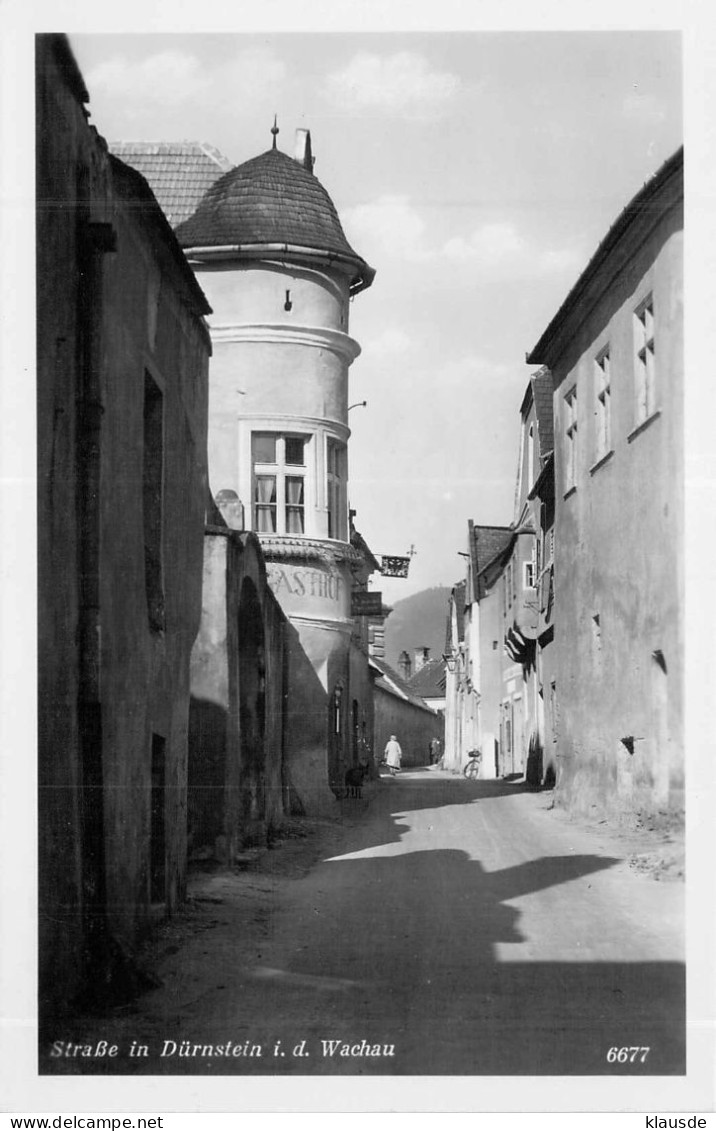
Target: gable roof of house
179 172
429 682
542 390
388 680
487 543
646 208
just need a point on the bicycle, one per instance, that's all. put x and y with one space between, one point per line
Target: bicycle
472 768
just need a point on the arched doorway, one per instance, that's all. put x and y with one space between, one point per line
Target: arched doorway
252 714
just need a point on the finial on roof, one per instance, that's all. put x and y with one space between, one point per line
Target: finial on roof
274 131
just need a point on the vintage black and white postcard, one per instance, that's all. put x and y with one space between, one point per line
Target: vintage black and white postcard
365 745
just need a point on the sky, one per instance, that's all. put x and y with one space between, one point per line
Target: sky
475 171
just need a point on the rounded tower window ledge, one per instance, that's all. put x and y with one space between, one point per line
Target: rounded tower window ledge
280 547
281 332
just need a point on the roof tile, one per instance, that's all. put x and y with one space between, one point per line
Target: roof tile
179 173
271 199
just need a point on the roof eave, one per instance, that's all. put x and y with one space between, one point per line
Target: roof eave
361 280
635 209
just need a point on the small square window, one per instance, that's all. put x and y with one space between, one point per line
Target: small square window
644 360
263 447
294 451
570 431
603 385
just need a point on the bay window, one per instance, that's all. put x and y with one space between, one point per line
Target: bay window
336 489
279 483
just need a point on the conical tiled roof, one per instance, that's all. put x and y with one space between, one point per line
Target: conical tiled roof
274 200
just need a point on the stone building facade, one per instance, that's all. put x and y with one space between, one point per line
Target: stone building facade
399 711
122 409
615 350
266 243
236 775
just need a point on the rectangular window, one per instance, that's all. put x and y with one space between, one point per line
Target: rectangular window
278 464
529 575
336 477
570 431
153 500
602 382
294 450
265 503
294 504
644 360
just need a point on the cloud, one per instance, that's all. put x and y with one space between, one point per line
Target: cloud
501 249
464 373
178 77
389 226
169 76
392 342
401 84
643 108
491 244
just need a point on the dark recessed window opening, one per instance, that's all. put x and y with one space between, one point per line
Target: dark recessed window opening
153 501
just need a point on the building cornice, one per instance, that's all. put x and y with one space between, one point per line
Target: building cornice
361 273
278 420
282 547
342 625
644 212
281 333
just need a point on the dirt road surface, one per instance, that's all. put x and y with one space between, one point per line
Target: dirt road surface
440 927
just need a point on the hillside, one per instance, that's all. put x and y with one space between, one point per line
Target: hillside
416 621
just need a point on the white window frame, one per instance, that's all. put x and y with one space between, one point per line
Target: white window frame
337 491
644 360
530 457
603 395
570 432
281 471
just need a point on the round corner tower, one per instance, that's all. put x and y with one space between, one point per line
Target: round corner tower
268 248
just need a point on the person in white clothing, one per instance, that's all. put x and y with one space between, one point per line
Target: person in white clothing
393 754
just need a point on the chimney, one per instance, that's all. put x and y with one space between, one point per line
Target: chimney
302 152
422 655
404 665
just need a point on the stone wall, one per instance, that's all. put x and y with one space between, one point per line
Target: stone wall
122 421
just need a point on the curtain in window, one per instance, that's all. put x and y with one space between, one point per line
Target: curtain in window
294 505
266 504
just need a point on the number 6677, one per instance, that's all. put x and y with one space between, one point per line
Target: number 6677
627 1055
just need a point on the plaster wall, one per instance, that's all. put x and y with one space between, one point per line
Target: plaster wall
413 726
241 293
288 369
112 687
63 148
236 792
280 364
619 556
492 660
145 673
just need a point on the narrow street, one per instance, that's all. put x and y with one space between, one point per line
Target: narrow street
466 924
